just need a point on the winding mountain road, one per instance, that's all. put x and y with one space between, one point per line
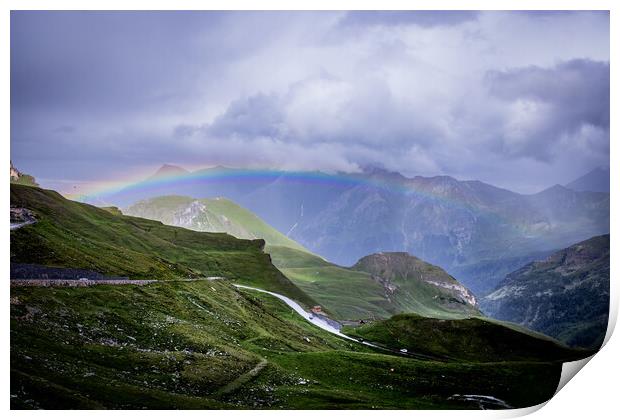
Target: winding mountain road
319 322
324 325
15 226
483 401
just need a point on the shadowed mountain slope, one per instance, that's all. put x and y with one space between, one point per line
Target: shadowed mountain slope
565 296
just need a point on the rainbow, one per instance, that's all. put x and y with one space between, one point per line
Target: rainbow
171 182
249 176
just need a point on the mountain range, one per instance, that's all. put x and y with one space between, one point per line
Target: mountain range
377 286
565 296
189 338
477 232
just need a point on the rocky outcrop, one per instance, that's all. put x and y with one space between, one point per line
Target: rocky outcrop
22 178
14 172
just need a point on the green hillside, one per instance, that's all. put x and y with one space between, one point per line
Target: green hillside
25 179
112 209
75 235
472 339
204 344
346 293
356 294
413 285
210 215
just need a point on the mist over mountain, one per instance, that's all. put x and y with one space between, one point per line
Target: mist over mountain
169 171
476 231
595 180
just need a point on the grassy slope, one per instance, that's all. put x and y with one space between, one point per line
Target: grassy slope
25 179
473 339
412 278
344 292
353 294
71 234
113 210
204 344
221 215
347 293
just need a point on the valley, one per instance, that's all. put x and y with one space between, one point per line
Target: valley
477 232
221 343
257 210
385 284
348 293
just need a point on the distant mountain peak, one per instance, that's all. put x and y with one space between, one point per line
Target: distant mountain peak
169 170
557 187
596 180
381 172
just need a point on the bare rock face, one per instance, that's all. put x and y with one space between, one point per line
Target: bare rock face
186 216
565 295
198 215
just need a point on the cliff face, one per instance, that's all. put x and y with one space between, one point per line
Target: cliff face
565 296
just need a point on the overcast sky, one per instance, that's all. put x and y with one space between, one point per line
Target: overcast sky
516 99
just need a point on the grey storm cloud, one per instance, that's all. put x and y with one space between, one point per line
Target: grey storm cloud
477 95
424 18
541 106
107 62
579 87
554 102
257 116
362 122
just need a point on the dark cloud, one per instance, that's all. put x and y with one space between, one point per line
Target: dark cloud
324 110
424 18
65 129
554 102
479 96
257 116
558 13
105 61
